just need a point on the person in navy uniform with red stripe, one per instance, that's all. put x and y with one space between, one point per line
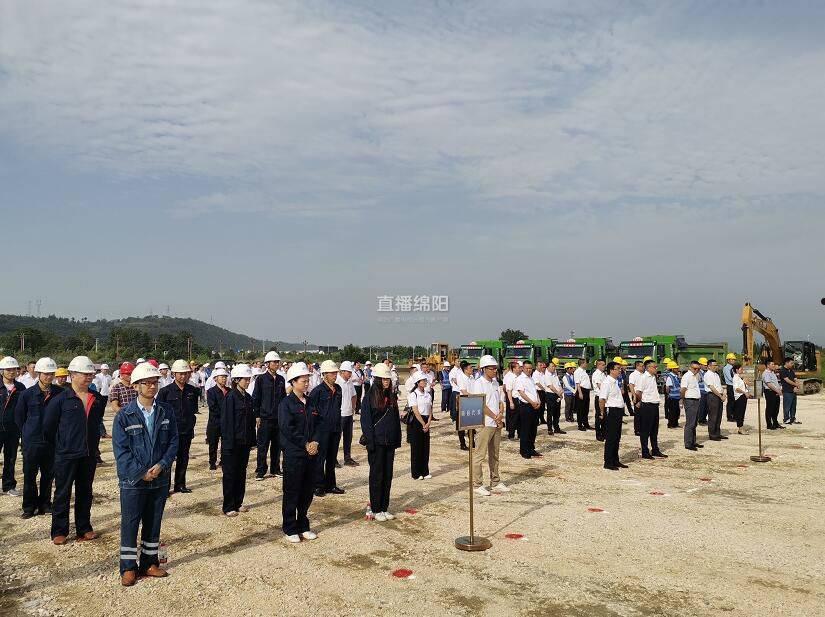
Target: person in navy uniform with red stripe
10 391
326 398
270 390
237 439
183 397
214 401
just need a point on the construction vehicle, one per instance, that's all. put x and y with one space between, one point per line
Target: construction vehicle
544 347
473 352
589 348
522 350
673 346
439 352
806 358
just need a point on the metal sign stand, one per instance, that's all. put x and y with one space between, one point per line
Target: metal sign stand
760 458
472 542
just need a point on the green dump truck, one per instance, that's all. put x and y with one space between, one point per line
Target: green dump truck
522 350
474 350
673 346
589 348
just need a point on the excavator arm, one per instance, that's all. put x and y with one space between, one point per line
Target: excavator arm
754 321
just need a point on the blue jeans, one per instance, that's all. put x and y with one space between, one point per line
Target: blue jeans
141 505
788 406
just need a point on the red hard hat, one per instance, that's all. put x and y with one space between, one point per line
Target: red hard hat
126 368
153 362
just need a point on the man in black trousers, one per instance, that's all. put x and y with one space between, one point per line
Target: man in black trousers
183 397
270 390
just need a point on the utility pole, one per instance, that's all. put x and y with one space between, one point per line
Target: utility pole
38 303
22 342
117 348
305 347
96 340
189 347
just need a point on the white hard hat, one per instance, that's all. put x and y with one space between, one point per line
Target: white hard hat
206 365
144 371
140 360
181 366
220 371
328 366
346 365
81 364
220 364
272 356
45 365
447 363
367 362
485 361
299 369
104 366
417 367
8 362
163 365
381 371
418 376
241 371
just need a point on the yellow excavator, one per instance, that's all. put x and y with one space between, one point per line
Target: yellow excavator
804 354
439 352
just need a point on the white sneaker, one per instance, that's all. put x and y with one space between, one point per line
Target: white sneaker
428 476
482 491
294 538
380 517
420 478
309 535
13 493
500 488
232 513
389 516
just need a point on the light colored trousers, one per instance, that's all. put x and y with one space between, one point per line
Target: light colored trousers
488 442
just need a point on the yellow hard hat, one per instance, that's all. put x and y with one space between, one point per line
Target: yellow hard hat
555 361
61 372
671 365
570 365
618 359
703 361
730 356
666 359
646 358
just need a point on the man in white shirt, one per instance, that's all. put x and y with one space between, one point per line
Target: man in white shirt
488 439
538 379
554 395
772 390
29 378
647 394
348 404
597 378
511 419
716 394
430 387
103 381
690 395
583 386
165 377
638 371
611 409
527 402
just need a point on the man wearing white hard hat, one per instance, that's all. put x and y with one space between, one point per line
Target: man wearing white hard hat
165 377
145 443
38 453
210 381
326 399
71 422
237 439
446 386
183 398
488 439
270 390
349 401
10 391
297 425
214 402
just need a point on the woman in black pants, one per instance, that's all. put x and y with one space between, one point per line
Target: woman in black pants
418 430
237 438
381 428
740 393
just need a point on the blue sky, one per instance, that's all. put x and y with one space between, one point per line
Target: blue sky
612 168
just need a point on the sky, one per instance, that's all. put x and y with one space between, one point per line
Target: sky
610 168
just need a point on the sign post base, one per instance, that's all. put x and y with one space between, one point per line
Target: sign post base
477 543
761 459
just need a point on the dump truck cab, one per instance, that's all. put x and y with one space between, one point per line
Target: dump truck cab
522 350
473 351
587 348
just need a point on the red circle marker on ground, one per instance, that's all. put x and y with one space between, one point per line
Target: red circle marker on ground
595 510
705 479
660 493
742 466
402 573
514 536
411 511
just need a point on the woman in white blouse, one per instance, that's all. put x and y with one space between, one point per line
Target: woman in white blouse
418 431
740 392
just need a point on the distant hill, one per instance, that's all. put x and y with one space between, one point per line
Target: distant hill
206 335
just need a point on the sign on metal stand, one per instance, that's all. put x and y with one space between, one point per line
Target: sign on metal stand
470 416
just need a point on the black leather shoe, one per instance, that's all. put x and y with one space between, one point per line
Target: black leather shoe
691 448
659 454
319 492
714 439
724 437
698 445
648 456
558 431
621 465
337 465
336 491
184 489
26 515
611 467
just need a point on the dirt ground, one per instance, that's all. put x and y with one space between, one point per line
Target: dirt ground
695 534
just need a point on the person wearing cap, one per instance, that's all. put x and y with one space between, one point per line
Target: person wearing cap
772 390
71 421
462 387
432 378
446 386
673 390
165 377
10 391
210 380
597 378
541 390
297 425
420 402
145 443
569 386
381 428
214 402
38 454
555 394
237 439
122 393
703 392
270 390
358 383
103 381
611 408
488 439
182 396
314 376
527 402
727 375
326 399
647 394
512 420
583 387
689 387
368 377
716 397
349 401
60 377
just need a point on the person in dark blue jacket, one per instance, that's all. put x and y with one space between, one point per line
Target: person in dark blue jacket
298 425
183 397
145 443
214 401
38 454
270 390
381 428
326 399
237 439
10 391
72 423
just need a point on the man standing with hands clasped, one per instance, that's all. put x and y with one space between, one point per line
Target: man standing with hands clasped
145 443
716 397
488 439
772 391
691 396
611 405
647 393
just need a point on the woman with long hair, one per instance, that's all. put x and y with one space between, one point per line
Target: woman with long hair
418 429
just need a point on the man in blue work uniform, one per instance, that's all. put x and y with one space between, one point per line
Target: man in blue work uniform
727 376
703 392
270 390
326 399
38 454
183 397
446 387
10 390
214 401
72 423
145 443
